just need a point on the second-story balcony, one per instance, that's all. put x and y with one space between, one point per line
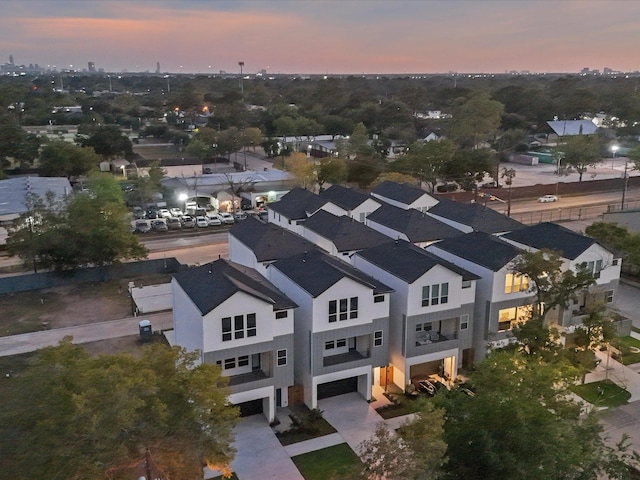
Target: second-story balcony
351 356
242 378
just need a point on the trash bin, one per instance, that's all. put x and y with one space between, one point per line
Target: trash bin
145 330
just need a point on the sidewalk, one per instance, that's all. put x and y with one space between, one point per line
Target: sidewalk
29 342
618 373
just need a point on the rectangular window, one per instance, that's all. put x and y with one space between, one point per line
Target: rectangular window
615 262
281 357
464 321
466 284
378 299
243 361
435 294
514 283
510 317
333 310
282 314
425 296
229 363
226 329
377 338
238 324
343 309
330 345
608 296
353 304
251 325
341 343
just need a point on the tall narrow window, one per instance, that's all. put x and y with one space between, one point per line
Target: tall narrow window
226 329
251 325
425 296
343 309
377 338
333 310
238 324
353 303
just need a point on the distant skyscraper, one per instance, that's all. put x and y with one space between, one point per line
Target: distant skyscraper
92 66
157 67
11 59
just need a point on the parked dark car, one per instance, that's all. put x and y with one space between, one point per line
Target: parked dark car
188 222
174 223
142 226
152 214
159 226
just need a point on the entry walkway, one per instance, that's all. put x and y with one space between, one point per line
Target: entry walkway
260 454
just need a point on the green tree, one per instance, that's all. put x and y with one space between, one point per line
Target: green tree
581 152
521 423
12 138
107 140
619 239
302 169
90 229
553 286
634 155
475 121
63 159
427 161
468 167
70 415
358 143
331 170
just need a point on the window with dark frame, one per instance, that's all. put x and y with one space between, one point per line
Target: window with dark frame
464 321
243 361
251 325
378 299
282 314
377 338
281 357
226 329
238 324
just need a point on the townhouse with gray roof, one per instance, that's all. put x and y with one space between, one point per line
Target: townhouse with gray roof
238 320
340 236
353 203
431 312
404 195
295 207
473 217
578 252
256 244
341 325
410 224
503 298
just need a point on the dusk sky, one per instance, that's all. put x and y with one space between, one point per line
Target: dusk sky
332 37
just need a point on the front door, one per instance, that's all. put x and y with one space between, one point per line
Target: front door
386 375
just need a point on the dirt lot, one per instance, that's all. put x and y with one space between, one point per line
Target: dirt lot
69 305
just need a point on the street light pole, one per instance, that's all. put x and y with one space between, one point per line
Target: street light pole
241 85
626 184
614 149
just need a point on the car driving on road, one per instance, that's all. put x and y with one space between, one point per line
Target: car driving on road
548 198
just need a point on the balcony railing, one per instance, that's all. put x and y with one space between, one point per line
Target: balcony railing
434 337
247 377
351 356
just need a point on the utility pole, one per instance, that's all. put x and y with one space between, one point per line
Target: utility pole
241 84
626 184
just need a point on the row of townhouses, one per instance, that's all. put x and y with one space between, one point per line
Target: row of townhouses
340 291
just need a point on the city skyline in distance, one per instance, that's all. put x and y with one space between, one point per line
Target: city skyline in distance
322 37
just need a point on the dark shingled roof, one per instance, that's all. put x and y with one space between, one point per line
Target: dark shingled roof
297 204
554 237
408 262
345 198
480 248
401 192
315 272
417 226
268 241
210 285
346 233
476 216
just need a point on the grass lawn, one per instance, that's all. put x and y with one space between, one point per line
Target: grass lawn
402 405
332 462
310 426
602 394
629 348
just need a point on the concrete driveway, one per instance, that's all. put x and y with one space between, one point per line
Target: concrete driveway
259 453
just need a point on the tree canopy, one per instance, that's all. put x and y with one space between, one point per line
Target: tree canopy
59 158
73 416
88 229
